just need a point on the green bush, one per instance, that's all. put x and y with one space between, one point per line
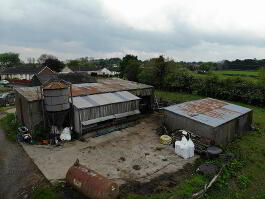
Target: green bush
234 89
10 125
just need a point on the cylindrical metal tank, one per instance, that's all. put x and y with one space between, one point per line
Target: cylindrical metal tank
56 97
90 183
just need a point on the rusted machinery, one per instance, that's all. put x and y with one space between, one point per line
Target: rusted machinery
90 183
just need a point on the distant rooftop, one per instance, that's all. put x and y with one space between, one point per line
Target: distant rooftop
22 70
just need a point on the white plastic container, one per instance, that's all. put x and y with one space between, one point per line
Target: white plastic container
182 148
66 134
177 147
191 148
184 140
184 151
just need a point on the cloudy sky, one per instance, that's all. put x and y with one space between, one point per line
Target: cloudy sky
189 30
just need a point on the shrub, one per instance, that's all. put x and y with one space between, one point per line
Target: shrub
10 125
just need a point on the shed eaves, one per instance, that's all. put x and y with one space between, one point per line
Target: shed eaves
209 111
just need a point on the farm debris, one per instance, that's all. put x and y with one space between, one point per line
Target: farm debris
213 151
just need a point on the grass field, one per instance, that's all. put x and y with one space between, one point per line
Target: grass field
237 72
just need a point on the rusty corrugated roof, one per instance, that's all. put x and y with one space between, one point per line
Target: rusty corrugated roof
55 85
103 86
208 111
30 93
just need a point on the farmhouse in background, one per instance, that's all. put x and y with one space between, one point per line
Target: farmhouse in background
89 70
73 78
24 72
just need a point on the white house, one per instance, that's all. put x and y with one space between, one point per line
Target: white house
89 70
24 72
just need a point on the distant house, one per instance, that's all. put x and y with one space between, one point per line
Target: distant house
73 78
89 70
24 72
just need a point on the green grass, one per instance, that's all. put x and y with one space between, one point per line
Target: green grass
46 193
184 190
236 72
246 75
10 125
243 178
5 89
176 97
4 108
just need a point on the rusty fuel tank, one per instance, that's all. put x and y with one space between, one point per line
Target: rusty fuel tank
90 183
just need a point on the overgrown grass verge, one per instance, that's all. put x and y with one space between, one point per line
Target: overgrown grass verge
5 89
10 125
185 190
50 192
4 108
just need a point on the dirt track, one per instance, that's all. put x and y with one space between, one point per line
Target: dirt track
18 174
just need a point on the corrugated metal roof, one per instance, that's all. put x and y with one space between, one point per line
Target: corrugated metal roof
208 111
88 101
30 93
55 85
103 86
106 85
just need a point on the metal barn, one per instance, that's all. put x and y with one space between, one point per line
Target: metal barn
108 98
219 121
93 110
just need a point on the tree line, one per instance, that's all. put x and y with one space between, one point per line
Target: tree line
12 59
167 74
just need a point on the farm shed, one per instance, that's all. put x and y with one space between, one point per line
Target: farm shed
145 92
29 100
28 106
217 120
92 110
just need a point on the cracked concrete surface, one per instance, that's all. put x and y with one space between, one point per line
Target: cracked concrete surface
113 155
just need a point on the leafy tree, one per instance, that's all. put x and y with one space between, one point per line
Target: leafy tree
262 75
126 61
44 57
132 70
160 71
54 64
9 59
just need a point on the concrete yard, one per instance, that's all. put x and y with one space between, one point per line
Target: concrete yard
134 153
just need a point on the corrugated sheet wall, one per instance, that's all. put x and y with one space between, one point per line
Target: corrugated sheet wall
110 109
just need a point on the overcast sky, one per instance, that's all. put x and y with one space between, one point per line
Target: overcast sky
188 30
